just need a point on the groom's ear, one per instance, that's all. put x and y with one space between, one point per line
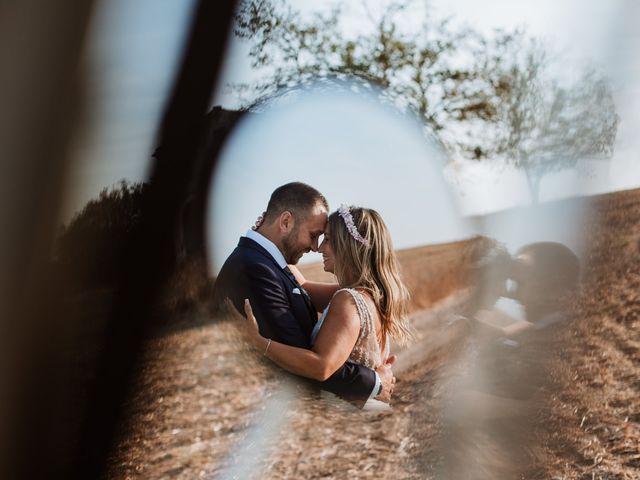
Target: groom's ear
286 221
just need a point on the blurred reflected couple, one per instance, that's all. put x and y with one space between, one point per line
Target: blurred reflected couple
346 350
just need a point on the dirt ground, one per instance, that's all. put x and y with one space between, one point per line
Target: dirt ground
593 423
207 408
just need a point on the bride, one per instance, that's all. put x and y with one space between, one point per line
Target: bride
362 316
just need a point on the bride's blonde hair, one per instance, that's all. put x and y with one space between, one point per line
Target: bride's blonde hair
369 262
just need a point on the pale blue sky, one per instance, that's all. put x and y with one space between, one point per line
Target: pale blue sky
349 147
133 47
131 52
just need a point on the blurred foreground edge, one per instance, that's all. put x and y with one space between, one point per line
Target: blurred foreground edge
41 49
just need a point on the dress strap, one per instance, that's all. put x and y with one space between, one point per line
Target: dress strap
361 305
366 350
367 326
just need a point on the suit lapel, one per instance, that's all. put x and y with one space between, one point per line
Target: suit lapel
248 243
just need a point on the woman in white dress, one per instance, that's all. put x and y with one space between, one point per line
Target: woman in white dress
367 310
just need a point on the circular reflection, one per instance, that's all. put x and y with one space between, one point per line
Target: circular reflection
352 149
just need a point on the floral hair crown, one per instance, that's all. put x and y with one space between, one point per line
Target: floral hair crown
344 212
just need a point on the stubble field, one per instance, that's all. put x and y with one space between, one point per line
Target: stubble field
205 407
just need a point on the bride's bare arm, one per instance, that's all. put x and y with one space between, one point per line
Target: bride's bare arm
331 350
320 292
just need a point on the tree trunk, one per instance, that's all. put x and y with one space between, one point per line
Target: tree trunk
533 180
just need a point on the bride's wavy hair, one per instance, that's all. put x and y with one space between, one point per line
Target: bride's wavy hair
373 266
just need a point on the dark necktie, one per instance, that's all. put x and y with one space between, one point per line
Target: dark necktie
305 295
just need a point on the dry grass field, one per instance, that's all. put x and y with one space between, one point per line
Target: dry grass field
591 428
431 273
207 408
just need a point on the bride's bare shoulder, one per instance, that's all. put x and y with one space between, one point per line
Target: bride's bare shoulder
343 302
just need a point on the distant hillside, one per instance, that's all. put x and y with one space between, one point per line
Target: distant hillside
431 272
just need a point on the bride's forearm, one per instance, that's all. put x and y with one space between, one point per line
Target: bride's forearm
320 292
298 361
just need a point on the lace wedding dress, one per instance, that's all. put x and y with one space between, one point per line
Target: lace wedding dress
366 351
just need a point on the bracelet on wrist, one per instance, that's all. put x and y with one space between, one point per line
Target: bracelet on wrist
267 348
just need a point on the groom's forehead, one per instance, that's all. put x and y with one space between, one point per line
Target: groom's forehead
319 217
320 210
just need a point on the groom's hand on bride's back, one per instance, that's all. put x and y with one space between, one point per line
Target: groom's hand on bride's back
387 380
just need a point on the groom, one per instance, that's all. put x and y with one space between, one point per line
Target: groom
257 269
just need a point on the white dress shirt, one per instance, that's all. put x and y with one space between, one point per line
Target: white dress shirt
269 246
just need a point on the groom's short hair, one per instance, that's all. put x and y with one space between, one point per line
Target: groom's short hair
296 197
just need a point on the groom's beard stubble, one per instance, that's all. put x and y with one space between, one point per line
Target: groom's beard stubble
292 253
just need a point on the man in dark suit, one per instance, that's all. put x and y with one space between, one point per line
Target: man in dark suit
257 269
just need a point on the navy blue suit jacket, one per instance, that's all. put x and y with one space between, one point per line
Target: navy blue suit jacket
251 272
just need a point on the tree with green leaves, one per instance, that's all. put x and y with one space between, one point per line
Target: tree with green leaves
479 96
546 126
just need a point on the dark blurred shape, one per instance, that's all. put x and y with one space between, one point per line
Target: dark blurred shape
190 283
152 254
67 361
540 276
41 92
543 274
88 248
493 420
